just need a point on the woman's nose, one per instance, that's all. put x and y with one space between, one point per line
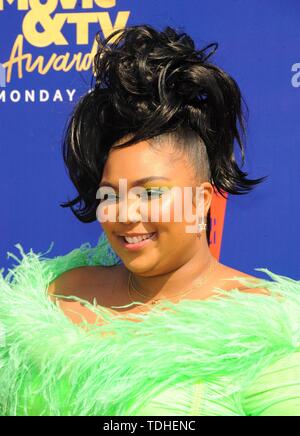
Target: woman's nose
129 210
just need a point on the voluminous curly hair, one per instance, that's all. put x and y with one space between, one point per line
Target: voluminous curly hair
150 84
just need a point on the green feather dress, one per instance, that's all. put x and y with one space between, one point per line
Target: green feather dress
232 356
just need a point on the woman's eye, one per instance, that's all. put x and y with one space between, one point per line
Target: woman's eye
149 194
154 193
109 197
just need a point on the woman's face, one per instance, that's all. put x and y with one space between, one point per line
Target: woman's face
154 210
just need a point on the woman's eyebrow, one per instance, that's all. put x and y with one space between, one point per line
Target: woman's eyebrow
136 182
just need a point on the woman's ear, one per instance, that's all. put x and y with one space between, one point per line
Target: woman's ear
203 198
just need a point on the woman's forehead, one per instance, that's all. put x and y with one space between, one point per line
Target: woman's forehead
143 159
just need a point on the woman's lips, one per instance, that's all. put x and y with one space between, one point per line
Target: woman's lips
137 245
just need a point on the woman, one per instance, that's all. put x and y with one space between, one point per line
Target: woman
149 322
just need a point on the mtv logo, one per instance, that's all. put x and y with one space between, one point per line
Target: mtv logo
2 76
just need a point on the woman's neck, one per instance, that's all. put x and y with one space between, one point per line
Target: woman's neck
179 279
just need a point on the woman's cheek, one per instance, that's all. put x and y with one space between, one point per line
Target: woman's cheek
182 211
173 207
161 210
107 214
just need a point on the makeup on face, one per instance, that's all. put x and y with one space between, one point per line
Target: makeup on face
136 240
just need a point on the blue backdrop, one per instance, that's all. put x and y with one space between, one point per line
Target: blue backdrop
259 45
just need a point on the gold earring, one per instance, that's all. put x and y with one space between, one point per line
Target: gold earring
201 226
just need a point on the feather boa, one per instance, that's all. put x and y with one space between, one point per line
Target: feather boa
50 366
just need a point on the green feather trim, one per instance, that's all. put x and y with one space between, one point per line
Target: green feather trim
50 366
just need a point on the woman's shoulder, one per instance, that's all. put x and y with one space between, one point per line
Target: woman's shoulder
84 277
86 283
230 278
87 280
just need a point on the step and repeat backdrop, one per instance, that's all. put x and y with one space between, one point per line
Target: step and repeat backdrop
46 52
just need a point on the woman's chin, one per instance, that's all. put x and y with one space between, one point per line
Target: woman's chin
141 265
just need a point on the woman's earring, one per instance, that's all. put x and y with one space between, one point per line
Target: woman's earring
200 227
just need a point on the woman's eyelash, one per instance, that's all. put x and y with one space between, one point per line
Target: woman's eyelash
149 191
156 191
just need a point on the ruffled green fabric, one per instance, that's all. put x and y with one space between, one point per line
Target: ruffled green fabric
204 357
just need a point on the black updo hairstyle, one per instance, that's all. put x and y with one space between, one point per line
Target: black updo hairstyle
150 83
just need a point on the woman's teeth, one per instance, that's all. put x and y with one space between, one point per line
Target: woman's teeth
136 239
